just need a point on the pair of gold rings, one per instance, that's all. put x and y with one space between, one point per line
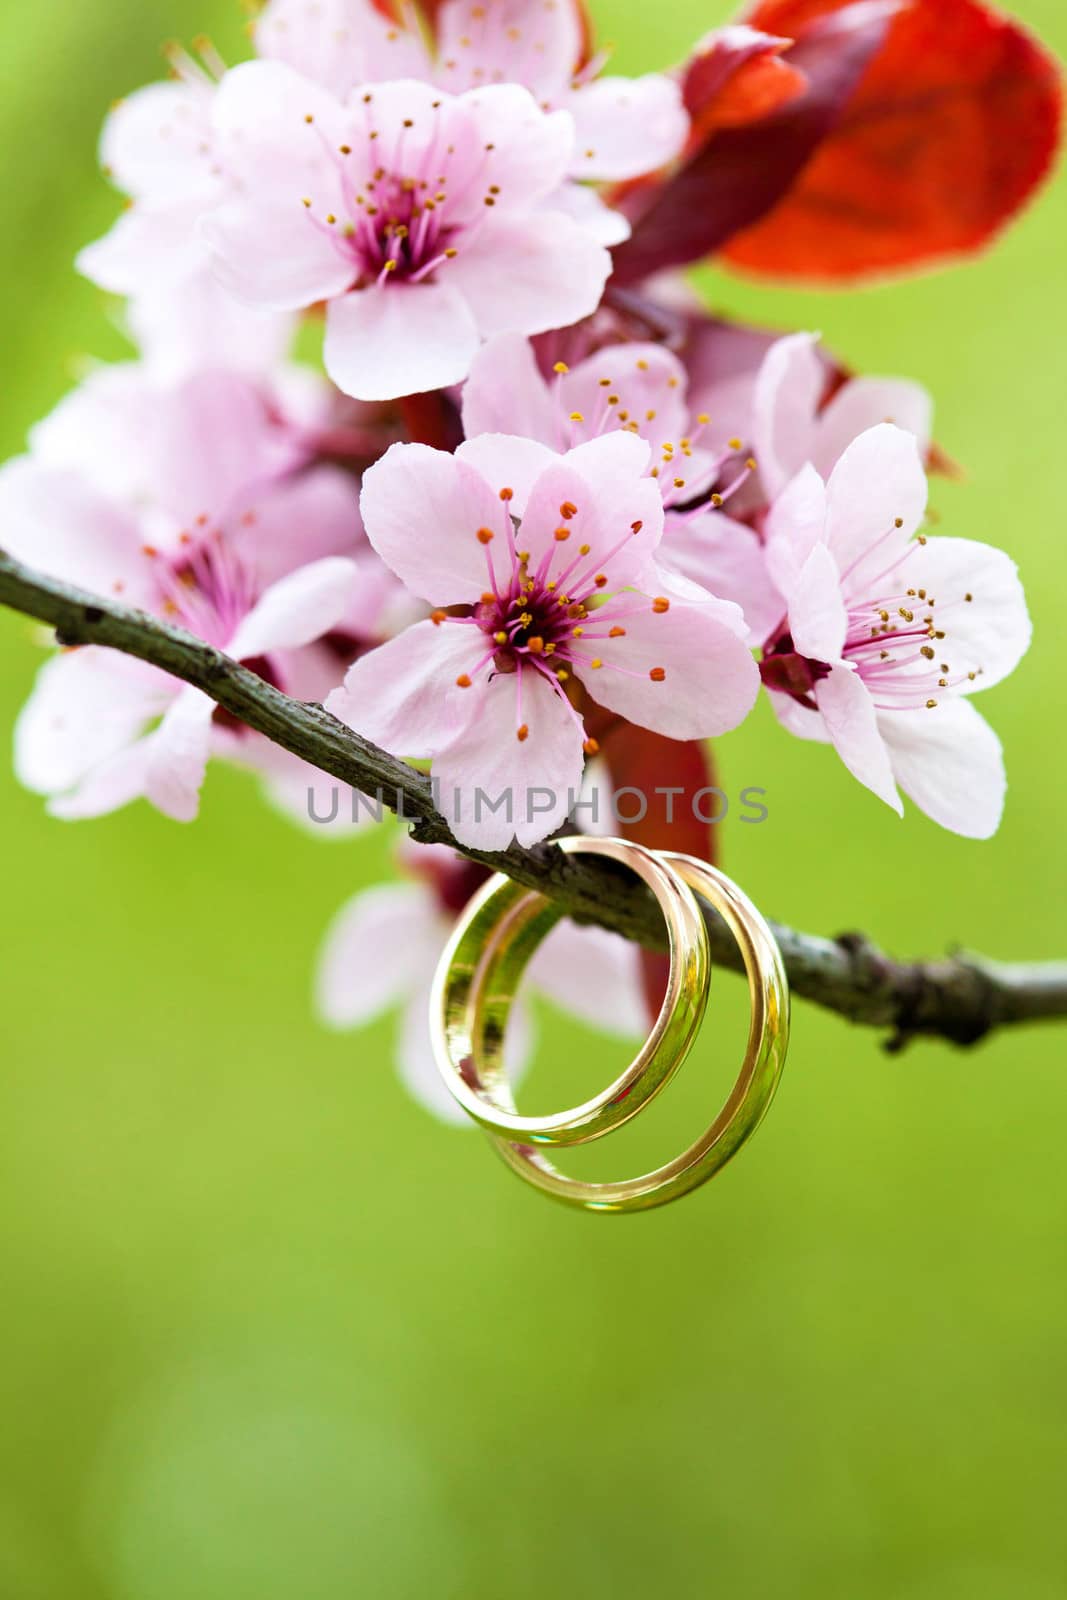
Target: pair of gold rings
475 988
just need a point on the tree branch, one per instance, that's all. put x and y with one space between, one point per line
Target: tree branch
961 998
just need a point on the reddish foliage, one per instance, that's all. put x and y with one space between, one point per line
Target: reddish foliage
953 126
737 173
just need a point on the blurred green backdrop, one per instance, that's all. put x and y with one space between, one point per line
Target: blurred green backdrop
271 1332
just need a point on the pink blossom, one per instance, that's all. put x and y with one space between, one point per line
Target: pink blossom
187 501
624 126
640 388
792 426
412 213
593 974
158 147
885 634
548 566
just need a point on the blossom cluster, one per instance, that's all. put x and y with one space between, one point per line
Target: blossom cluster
536 507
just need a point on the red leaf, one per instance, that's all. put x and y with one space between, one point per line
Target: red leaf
736 76
738 173
953 127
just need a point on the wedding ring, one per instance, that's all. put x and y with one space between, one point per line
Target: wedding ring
507 944
480 970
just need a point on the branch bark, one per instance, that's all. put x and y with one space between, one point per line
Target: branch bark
960 998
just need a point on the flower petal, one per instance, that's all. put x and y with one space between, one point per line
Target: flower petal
533 782
727 559
878 483
627 126
507 461
56 522
86 706
414 489
818 620
529 150
404 697
509 40
682 669
339 43
616 512
506 393
795 524
987 634
297 609
377 951
862 404
790 384
178 753
852 723
396 339
530 274
949 761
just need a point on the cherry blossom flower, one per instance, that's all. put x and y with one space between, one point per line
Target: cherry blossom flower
640 388
592 973
186 501
409 211
625 126
886 634
790 425
158 147
543 569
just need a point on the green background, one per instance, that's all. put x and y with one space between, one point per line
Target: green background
271 1332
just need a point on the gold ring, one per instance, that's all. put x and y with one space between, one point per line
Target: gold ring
506 919
505 952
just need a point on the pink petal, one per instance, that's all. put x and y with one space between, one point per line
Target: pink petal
537 779
529 150
818 620
595 975
156 141
507 461
878 482
617 513
511 41
86 707
403 696
397 339
376 951
795 524
413 489
949 761
193 322
988 634
862 404
297 609
852 723
276 135
800 720
727 559
530 274
339 43
323 503
178 753
584 206
649 383
788 389
212 443
149 244
112 784
55 521
709 680
506 393
627 126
